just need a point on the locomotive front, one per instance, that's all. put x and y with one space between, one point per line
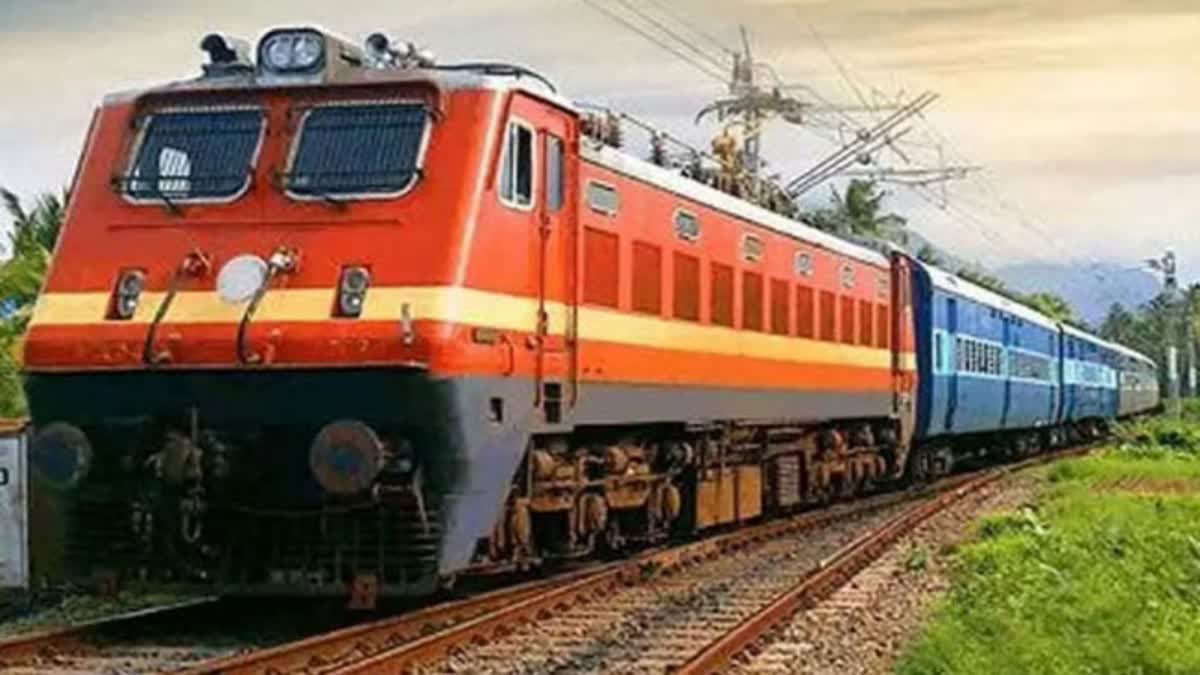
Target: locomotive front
237 369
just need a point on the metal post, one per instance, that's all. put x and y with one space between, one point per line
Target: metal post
1170 336
1189 318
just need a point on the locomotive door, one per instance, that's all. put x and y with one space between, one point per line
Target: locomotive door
556 361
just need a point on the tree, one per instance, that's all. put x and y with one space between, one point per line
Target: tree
991 282
1054 306
930 256
33 236
858 212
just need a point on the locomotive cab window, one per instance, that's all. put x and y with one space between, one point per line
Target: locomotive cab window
364 150
516 171
194 155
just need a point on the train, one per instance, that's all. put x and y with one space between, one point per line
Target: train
339 319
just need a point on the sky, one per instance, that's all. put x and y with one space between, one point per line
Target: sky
1082 114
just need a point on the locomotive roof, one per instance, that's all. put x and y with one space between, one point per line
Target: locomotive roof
443 79
635 167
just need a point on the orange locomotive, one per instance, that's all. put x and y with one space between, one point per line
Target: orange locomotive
337 316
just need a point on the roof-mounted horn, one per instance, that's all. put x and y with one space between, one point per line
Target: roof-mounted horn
383 52
226 55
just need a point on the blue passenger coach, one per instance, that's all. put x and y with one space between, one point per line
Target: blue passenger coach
985 363
1089 377
1137 381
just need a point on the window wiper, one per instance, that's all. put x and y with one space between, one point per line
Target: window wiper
172 207
334 202
284 181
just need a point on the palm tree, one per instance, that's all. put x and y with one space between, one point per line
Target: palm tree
858 212
1054 306
33 236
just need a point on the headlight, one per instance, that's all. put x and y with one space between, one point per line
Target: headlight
352 290
306 51
128 293
292 51
241 278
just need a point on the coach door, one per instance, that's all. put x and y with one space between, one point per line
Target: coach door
952 379
557 271
1007 340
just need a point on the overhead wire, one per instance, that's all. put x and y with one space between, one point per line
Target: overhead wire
691 26
719 63
707 70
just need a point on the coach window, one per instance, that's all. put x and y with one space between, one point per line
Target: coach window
516 180
939 357
554 173
687 226
802 264
602 198
752 248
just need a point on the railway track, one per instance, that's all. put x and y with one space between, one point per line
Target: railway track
743 641
160 639
447 634
693 607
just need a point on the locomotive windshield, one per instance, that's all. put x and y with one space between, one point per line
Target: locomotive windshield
358 149
194 154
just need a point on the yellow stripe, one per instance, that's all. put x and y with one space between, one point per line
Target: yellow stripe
470 307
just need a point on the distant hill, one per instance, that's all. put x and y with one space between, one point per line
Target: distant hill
1091 288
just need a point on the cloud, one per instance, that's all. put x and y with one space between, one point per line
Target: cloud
1083 111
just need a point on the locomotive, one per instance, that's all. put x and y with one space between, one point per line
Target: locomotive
334 319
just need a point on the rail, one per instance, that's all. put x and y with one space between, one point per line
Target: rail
433 634
838 569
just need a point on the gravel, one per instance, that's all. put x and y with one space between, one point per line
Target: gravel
863 627
651 627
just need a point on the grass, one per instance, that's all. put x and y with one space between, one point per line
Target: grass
26 612
1102 577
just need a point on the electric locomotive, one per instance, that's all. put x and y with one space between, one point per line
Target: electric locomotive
335 319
